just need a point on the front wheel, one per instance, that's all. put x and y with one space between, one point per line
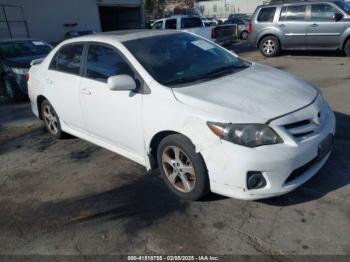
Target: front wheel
347 48
269 46
183 169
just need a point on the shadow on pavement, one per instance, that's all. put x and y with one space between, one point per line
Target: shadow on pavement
137 204
333 176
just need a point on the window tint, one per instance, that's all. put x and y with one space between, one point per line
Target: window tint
68 59
158 25
170 24
191 22
103 62
323 12
266 14
293 13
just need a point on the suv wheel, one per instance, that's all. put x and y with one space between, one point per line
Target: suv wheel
244 35
183 169
51 120
269 46
347 48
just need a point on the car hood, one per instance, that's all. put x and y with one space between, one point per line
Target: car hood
21 62
256 94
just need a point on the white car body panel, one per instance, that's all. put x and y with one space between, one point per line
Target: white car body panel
126 123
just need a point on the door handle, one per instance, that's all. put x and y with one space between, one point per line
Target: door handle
85 91
282 25
314 25
49 81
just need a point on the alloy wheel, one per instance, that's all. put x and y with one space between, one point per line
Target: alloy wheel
269 47
50 119
179 169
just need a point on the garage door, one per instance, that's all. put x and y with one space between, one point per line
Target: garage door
12 23
119 18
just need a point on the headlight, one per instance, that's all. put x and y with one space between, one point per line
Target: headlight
249 135
20 71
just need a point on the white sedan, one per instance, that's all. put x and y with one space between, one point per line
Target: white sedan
208 119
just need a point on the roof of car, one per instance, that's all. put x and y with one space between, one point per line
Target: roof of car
123 35
286 2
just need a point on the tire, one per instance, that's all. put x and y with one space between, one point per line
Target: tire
183 169
51 120
244 35
347 48
270 46
12 92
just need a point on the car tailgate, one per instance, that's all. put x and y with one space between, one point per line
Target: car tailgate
225 33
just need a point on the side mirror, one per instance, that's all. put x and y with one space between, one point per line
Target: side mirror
121 82
337 17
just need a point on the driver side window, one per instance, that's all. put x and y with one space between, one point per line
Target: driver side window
158 25
323 12
103 62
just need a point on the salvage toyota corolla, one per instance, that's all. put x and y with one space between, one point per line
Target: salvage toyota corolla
208 119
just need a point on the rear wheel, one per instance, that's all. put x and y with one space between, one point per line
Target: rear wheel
347 48
51 120
269 46
244 35
183 169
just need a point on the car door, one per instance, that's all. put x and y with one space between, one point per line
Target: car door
324 31
293 25
63 82
114 117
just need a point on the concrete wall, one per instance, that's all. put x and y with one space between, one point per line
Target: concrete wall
46 18
226 7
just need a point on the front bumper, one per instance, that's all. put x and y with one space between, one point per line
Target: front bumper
228 164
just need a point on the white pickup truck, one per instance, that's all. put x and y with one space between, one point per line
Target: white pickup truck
221 34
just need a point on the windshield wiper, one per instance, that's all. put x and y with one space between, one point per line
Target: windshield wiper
210 75
224 70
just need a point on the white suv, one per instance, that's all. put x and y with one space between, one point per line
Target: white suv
208 119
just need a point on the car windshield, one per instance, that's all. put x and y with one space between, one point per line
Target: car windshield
344 5
178 59
23 49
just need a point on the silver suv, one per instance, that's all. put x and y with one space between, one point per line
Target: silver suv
310 25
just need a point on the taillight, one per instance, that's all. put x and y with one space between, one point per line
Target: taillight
213 33
27 77
250 29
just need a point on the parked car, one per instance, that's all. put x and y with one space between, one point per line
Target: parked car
15 58
318 25
77 33
242 25
209 21
240 15
208 119
222 34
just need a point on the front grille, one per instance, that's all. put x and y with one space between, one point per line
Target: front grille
303 129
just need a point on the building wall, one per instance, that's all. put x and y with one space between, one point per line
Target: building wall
46 18
223 8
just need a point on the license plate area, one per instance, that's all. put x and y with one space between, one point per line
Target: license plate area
325 147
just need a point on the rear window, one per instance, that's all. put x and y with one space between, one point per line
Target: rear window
293 13
68 59
267 14
191 22
23 49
